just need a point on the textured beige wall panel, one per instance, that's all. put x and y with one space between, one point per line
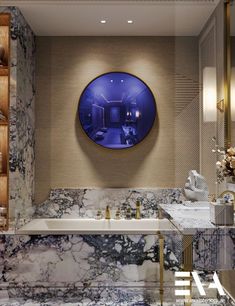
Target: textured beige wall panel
65 156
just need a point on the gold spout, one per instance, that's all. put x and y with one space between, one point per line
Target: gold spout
138 213
230 194
107 212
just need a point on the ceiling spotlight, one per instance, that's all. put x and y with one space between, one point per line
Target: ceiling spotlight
122 81
130 21
103 21
111 81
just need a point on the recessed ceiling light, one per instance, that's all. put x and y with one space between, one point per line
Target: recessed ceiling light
103 21
130 21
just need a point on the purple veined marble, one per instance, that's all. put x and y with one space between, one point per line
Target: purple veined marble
117 110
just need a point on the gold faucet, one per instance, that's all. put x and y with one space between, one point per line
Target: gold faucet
138 213
107 213
232 194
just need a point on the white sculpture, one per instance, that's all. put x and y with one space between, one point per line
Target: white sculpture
196 188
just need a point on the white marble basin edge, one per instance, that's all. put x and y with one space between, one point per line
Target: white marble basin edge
96 227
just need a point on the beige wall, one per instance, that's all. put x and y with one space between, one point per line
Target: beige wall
66 157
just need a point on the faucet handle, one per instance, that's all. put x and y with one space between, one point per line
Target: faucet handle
128 213
137 211
107 212
99 214
118 214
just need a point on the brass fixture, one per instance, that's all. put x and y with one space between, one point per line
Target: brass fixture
226 192
188 262
160 213
161 262
138 212
118 214
107 213
232 193
128 213
99 215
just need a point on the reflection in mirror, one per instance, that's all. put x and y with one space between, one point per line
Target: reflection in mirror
117 110
211 76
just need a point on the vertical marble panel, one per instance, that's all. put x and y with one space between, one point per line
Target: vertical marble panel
22 122
214 249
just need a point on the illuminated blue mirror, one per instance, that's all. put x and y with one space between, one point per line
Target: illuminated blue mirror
117 110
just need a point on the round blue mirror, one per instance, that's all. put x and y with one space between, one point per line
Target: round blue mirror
117 110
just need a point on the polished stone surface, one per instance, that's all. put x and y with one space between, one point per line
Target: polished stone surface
213 246
22 121
79 203
189 219
133 302
76 260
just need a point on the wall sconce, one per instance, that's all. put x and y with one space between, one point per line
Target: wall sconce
209 94
137 114
233 94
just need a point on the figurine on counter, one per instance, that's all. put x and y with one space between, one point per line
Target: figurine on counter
196 188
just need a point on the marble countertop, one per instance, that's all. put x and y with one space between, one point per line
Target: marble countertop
190 218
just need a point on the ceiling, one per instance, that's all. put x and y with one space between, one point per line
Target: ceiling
82 18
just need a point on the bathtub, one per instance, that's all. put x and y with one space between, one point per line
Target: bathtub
95 227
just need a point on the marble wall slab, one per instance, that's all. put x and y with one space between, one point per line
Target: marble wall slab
74 203
22 122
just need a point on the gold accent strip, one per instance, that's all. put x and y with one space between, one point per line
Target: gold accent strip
188 262
161 261
227 73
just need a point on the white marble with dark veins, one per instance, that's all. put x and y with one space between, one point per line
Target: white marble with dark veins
189 219
22 121
79 203
213 246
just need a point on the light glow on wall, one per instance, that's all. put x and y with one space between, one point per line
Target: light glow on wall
209 94
233 94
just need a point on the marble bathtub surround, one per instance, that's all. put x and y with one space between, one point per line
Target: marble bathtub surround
136 300
87 265
56 226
